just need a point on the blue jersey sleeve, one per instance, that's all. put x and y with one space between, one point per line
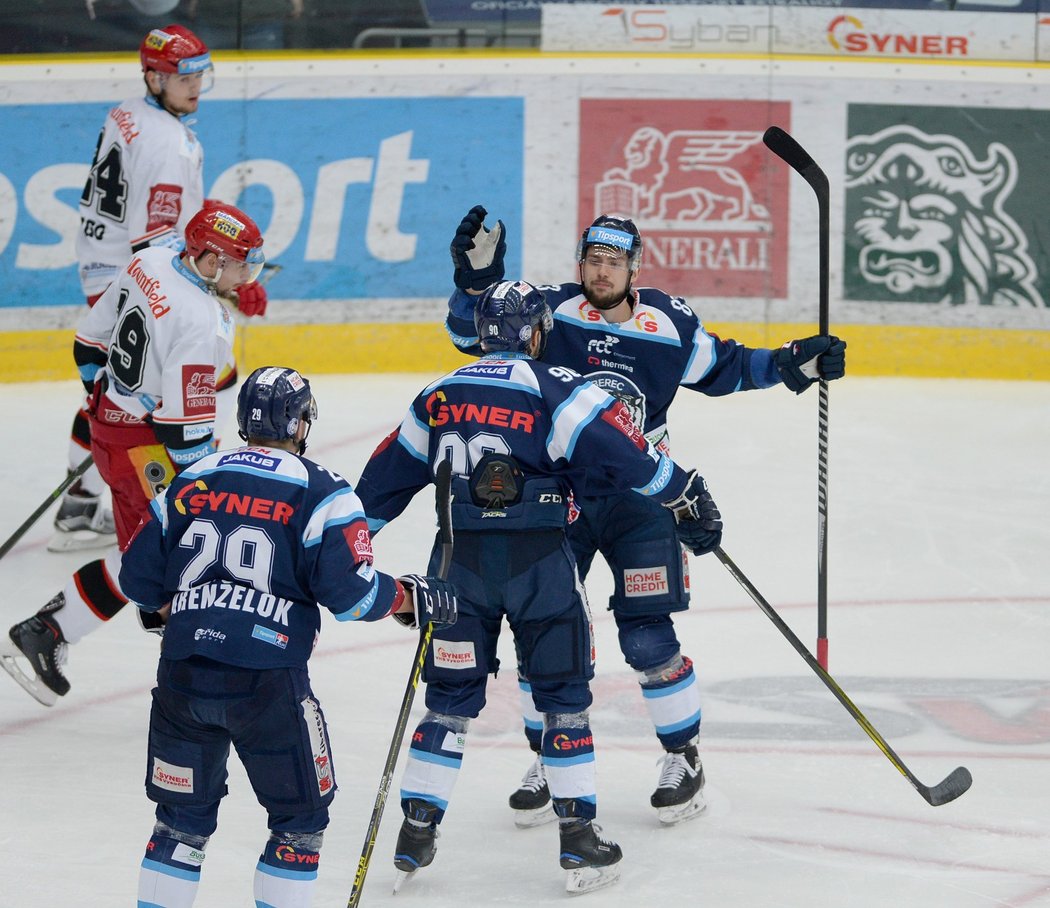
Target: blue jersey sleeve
597 436
338 549
397 469
717 367
459 323
142 566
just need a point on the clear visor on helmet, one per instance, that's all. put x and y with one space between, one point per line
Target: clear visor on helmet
244 272
198 67
606 257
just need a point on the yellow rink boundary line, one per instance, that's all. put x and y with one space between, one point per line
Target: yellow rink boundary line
424 347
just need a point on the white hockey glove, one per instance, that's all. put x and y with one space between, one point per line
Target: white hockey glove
435 602
477 252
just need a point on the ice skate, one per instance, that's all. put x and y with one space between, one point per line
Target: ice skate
83 522
416 843
679 794
532 801
591 859
39 640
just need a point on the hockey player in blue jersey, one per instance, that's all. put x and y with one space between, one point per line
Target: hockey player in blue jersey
235 556
640 345
521 435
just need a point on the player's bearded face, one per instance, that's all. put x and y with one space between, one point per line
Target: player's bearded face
604 278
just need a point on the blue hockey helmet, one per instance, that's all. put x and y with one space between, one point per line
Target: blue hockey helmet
271 404
508 314
613 233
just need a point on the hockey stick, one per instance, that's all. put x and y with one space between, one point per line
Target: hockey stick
444 511
958 780
798 159
57 493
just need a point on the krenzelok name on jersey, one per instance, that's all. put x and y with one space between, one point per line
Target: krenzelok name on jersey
223 594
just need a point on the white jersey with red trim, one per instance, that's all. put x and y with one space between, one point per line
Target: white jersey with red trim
168 340
146 181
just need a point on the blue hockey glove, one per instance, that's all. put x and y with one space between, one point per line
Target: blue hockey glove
435 602
477 253
802 362
699 521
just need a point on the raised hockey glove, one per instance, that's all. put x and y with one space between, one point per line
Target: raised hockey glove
802 362
699 521
477 252
251 299
435 602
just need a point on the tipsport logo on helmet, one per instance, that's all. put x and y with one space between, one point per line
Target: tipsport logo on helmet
605 236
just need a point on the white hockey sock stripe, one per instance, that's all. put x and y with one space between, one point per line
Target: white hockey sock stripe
277 888
164 886
674 709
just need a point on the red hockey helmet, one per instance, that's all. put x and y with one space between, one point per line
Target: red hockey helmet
174 49
229 233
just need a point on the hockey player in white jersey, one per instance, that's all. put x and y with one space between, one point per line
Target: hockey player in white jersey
145 183
151 352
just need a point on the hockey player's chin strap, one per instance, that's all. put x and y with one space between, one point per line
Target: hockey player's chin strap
211 282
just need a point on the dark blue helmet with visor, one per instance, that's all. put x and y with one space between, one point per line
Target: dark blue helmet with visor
612 234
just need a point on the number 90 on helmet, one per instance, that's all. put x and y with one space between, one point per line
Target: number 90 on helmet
230 234
509 314
272 403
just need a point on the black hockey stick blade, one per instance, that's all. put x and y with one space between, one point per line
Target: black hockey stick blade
784 146
957 782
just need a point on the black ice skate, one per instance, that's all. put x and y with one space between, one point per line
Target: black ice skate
592 860
679 794
39 639
532 801
416 844
83 522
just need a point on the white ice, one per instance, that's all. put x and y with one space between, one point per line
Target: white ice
939 630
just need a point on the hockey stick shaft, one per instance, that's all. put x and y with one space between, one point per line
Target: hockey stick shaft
444 509
798 159
71 477
956 783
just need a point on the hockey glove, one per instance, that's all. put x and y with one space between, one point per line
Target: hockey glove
802 362
251 299
477 253
151 622
435 602
699 521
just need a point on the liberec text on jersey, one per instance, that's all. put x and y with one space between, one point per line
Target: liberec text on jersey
223 594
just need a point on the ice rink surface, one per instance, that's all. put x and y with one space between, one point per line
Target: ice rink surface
939 629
